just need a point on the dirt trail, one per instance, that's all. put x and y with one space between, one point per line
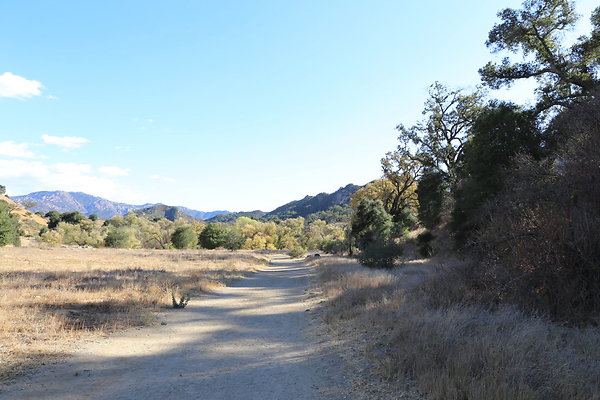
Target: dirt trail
251 340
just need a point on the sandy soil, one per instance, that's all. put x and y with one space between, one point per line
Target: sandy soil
251 340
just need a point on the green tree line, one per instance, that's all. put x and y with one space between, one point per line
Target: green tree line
515 187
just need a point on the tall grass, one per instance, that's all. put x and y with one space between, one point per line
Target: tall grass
421 326
51 297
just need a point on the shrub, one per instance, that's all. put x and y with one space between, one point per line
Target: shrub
380 255
184 237
213 236
370 223
234 240
9 232
121 238
335 247
53 219
52 237
424 242
540 240
72 217
296 252
83 234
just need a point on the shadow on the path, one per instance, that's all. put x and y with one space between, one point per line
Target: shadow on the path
250 346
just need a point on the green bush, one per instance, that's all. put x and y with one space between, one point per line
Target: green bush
370 223
72 217
213 236
336 247
9 231
53 218
121 238
184 237
380 255
296 252
234 240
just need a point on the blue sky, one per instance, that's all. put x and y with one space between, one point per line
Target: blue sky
236 105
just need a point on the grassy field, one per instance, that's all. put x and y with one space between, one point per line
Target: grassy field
416 324
50 298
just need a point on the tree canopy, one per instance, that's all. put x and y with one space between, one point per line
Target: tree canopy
536 31
437 142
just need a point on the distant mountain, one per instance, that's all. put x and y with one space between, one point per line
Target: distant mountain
203 214
88 204
314 204
74 201
231 217
331 207
160 211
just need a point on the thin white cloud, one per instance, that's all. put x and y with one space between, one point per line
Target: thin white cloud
37 175
122 148
17 87
162 178
12 149
66 142
114 171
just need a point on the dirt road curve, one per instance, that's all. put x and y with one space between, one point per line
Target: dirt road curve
248 341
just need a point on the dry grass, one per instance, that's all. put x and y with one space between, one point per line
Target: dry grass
418 323
22 213
52 297
29 222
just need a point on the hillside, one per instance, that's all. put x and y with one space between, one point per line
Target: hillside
231 217
29 222
314 204
88 204
161 211
328 206
74 201
331 207
204 215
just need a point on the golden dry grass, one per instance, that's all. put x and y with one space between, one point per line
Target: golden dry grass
23 213
51 298
415 325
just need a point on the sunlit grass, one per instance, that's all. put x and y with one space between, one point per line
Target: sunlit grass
418 324
52 297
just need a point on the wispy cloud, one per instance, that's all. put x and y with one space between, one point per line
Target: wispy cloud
162 178
66 142
12 149
39 175
122 148
17 87
114 171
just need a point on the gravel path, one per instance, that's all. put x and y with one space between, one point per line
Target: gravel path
251 340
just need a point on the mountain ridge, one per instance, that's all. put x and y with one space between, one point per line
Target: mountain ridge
305 207
87 204
160 211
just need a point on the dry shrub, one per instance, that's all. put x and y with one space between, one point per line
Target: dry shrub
424 323
51 297
540 243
